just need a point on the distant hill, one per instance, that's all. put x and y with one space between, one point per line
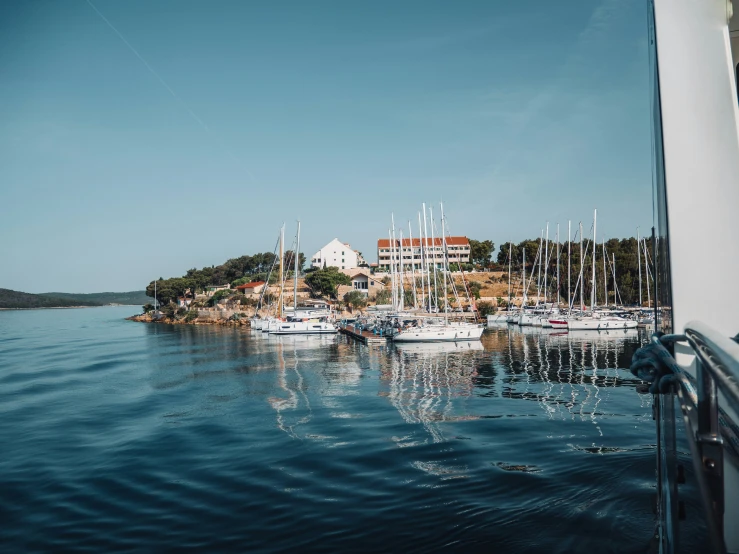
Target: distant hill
15 299
134 298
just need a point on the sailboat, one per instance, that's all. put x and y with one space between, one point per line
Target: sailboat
298 323
597 321
434 329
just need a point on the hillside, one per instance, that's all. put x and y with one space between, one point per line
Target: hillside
15 299
133 298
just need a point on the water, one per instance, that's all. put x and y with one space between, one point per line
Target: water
120 435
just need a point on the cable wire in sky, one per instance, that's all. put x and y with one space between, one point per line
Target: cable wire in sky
162 81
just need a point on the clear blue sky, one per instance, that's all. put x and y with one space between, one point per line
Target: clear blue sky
117 169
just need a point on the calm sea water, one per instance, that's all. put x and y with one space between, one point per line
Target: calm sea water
120 436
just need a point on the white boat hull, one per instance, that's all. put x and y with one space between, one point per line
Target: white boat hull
304 328
443 333
598 324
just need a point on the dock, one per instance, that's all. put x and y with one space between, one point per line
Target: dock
363 336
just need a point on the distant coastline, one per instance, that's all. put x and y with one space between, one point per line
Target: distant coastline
17 300
68 307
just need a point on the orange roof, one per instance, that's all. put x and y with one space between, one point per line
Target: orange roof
253 285
451 241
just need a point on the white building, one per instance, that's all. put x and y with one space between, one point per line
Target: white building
337 254
457 251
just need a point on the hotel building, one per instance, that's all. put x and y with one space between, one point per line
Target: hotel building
458 251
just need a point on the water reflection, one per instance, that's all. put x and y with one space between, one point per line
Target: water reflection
423 380
568 375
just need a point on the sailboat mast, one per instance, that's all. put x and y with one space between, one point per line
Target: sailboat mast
433 258
401 283
393 300
615 288
523 298
413 264
428 269
646 268
582 274
638 256
558 250
282 271
423 261
444 261
546 265
297 266
569 265
605 275
592 291
510 257
538 278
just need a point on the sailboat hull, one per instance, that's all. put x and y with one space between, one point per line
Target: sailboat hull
444 333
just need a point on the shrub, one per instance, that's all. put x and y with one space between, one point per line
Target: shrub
147 308
192 315
485 308
355 299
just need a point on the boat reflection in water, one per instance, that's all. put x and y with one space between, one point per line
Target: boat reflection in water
569 376
422 380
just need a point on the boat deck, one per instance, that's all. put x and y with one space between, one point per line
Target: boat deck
363 336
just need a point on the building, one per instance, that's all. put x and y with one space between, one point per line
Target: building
337 254
362 280
252 288
212 289
458 251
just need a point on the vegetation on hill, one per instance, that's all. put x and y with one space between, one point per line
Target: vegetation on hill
15 299
132 298
241 269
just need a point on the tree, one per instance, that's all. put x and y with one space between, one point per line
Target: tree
241 281
324 282
475 288
290 260
481 252
147 308
485 308
355 299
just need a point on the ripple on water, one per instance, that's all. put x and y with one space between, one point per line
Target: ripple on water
122 436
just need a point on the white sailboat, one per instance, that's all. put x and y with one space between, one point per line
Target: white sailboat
306 322
437 329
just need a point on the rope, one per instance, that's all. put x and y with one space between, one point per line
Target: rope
654 364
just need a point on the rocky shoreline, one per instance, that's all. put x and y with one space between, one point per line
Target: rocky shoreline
242 321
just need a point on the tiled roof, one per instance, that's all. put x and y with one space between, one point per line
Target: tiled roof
450 241
253 285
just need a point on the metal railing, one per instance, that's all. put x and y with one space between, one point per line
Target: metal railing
710 431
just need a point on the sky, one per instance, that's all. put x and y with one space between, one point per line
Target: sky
139 139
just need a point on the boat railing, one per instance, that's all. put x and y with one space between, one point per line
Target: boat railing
704 394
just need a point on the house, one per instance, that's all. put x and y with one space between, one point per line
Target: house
252 288
212 289
414 252
362 280
337 254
